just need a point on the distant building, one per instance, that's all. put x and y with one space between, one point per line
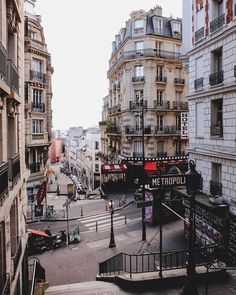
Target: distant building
38 97
13 175
148 85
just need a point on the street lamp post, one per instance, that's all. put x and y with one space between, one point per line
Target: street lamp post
70 193
143 179
112 243
193 181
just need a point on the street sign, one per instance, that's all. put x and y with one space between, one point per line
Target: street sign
164 181
141 204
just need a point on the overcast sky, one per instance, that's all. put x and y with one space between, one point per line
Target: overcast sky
79 34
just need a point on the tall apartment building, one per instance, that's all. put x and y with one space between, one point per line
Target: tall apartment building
38 97
212 96
147 92
13 176
211 49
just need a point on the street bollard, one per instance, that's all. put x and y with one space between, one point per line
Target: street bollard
125 219
96 226
81 211
106 206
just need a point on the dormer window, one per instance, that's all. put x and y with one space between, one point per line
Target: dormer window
177 27
158 25
139 26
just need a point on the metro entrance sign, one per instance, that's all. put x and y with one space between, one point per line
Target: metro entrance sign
164 181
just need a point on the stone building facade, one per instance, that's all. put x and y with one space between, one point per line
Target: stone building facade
147 91
211 48
38 97
13 176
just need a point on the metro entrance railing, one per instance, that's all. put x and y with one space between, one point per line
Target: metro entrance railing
149 262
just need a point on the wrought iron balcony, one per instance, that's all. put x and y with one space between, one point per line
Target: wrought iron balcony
180 105
216 78
198 83
162 154
137 155
179 81
180 154
13 76
16 257
217 23
14 169
114 130
38 76
137 104
129 55
38 107
217 130
6 286
35 167
161 105
166 130
138 30
161 79
215 188
137 130
138 79
3 62
4 182
199 34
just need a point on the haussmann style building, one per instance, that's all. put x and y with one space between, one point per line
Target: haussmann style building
13 176
147 104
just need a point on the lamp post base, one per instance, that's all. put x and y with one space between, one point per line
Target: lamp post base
189 288
112 245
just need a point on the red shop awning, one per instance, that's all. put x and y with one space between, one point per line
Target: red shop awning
114 168
38 232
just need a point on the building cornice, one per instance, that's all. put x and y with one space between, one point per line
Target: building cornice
216 153
212 91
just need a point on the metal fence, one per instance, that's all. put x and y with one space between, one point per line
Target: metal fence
150 262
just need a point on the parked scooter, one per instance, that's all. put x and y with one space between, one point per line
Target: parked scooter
75 238
59 239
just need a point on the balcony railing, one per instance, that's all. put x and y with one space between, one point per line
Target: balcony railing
16 257
216 78
3 63
198 83
138 30
180 105
161 155
217 23
114 130
6 287
161 79
138 79
137 130
161 104
14 169
137 105
129 55
38 107
179 81
4 182
35 167
215 188
217 130
137 155
13 76
199 34
38 76
167 130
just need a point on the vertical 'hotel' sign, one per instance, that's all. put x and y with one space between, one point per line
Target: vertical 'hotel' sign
184 125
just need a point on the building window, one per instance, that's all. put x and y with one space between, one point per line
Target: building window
37 96
37 126
33 35
160 148
199 73
139 48
178 122
178 150
160 73
158 26
217 60
160 97
200 119
139 71
160 124
215 183
138 148
178 96
37 65
217 117
96 167
96 145
139 26
138 96
176 27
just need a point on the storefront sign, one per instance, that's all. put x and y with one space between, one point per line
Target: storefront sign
167 180
184 125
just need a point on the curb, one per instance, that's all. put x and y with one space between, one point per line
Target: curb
53 220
